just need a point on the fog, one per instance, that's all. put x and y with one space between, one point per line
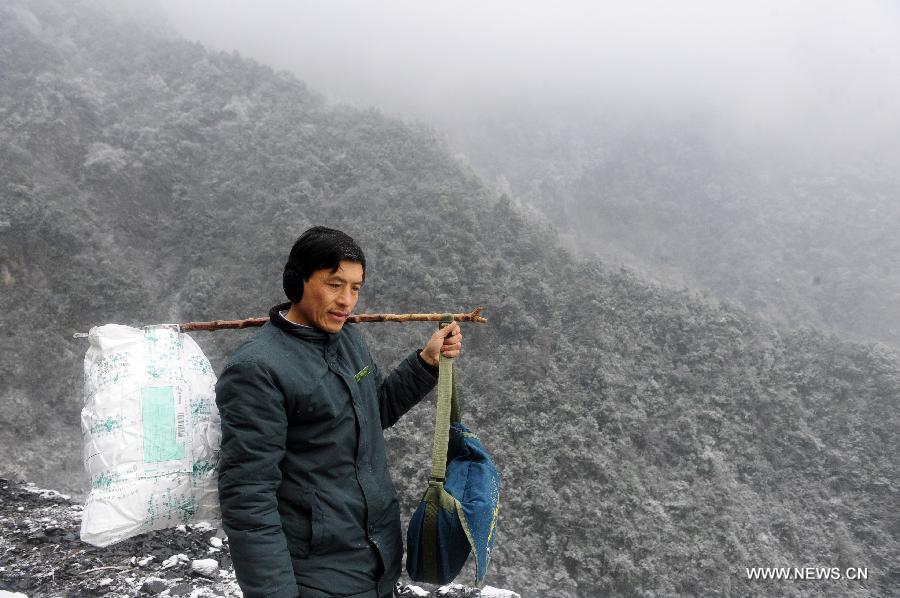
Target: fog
810 75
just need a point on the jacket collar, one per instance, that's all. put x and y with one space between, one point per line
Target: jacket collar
305 332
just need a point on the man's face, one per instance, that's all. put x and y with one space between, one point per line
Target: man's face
329 297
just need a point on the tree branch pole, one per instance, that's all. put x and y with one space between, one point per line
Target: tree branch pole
472 316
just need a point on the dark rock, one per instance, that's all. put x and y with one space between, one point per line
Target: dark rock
98 588
21 584
182 589
153 586
38 536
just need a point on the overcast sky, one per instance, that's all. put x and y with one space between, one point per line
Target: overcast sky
826 71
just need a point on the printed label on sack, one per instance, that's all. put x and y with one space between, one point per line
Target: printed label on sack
164 425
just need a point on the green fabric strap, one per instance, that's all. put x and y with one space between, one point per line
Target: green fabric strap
435 497
429 532
454 399
447 411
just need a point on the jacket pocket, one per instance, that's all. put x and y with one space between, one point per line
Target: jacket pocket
297 522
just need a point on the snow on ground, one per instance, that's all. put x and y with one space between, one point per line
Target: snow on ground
41 554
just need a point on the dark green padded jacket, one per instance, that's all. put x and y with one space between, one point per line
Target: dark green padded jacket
308 504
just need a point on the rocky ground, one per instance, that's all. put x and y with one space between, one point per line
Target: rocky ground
41 555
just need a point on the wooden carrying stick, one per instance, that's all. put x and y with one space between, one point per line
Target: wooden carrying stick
472 316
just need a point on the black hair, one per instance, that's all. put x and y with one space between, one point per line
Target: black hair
316 249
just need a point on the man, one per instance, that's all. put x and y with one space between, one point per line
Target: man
307 500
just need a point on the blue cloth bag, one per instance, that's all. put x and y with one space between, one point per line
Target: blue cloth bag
458 513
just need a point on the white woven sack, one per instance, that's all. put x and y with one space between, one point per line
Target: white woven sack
151 433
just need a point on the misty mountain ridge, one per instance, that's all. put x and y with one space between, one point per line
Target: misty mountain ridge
652 442
801 235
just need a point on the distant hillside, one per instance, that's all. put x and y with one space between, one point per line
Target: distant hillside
804 242
652 442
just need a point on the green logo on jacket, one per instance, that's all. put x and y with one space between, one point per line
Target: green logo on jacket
362 373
